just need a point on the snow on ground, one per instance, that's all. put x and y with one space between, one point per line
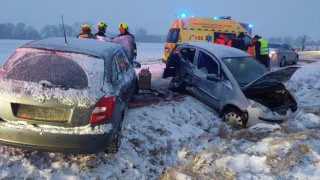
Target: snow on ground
184 139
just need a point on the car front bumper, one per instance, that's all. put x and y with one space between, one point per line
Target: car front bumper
257 116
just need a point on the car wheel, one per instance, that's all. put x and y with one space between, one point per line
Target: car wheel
176 84
114 146
235 117
282 61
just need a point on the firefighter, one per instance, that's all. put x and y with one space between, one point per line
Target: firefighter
102 26
100 35
262 50
123 29
86 32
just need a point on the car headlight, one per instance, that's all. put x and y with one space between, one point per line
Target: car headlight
262 108
271 53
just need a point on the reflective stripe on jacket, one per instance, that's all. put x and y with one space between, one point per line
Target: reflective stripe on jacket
264 50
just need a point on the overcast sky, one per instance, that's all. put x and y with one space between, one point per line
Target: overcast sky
270 18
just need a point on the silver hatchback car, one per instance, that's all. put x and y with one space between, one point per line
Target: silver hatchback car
281 54
229 80
67 98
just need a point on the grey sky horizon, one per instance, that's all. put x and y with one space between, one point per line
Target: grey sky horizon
270 18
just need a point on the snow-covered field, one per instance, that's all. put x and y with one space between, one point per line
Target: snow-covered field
184 139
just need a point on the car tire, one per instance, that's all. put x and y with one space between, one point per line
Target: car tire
235 117
176 84
282 61
114 146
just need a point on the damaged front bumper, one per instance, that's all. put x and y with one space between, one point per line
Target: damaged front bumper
257 115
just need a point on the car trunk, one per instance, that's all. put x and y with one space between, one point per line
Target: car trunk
56 106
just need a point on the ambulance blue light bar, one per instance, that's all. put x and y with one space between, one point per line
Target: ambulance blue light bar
183 15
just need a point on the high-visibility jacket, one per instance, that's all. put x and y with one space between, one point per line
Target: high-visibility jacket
264 50
251 50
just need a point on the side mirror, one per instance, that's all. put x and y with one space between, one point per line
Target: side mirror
213 77
136 65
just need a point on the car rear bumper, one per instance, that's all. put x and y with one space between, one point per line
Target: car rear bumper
54 142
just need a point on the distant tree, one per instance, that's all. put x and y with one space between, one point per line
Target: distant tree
275 40
20 31
70 31
142 35
288 40
6 31
51 31
31 34
303 39
141 32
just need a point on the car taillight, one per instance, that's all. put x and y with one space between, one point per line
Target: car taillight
103 110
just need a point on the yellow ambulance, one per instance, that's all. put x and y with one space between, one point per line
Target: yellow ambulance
184 29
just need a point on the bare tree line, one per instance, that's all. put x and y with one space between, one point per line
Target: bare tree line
24 32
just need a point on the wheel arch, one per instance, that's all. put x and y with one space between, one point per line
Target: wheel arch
229 107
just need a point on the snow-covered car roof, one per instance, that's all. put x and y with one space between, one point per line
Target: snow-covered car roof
218 50
78 45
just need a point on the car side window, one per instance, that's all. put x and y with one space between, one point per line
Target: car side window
115 70
122 62
188 54
120 65
207 64
126 60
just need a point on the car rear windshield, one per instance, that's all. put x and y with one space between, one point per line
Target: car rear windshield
55 69
245 69
173 35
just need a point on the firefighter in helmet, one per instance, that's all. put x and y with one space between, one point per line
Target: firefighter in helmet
123 29
86 32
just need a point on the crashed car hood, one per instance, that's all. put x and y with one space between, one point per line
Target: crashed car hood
280 75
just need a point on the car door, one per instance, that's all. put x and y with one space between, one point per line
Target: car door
187 58
292 53
209 91
287 52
